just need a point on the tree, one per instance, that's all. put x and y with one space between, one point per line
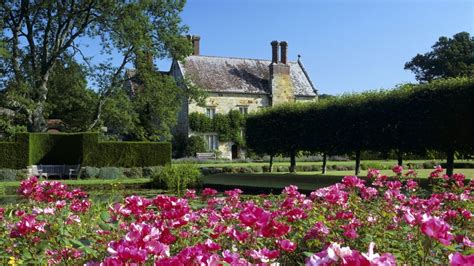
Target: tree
69 98
451 57
38 33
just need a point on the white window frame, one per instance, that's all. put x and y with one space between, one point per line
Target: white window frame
212 141
210 111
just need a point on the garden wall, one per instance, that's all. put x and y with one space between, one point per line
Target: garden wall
80 148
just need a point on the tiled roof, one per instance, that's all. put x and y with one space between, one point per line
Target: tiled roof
240 75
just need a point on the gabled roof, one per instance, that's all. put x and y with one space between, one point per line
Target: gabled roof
240 75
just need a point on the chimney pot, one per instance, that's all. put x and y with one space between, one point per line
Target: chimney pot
274 51
284 49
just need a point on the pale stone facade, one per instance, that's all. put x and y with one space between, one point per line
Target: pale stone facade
240 84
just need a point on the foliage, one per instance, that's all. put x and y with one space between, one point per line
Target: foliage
451 57
194 145
81 148
346 221
229 126
38 34
375 121
124 154
69 99
12 174
110 173
177 178
15 154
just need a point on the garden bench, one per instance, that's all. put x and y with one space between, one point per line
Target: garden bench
206 156
47 170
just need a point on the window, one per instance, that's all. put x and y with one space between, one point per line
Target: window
244 109
212 142
210 112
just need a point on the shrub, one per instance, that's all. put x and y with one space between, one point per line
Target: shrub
8 175
134 172
266 168
110 173
151 171
178 178
89 172
256 169
283 169
194 145
316 168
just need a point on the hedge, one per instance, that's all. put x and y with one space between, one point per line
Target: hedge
14 155
80 148
47 148
410 119
124 154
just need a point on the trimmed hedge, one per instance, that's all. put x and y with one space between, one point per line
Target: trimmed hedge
47 148
81 148
14 155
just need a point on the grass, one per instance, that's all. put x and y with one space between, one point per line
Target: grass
307 181
387 163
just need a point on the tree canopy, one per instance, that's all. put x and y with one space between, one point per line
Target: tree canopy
40 34
451 57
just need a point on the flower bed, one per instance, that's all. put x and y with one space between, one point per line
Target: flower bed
389 221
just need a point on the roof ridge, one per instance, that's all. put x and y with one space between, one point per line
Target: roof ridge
233 57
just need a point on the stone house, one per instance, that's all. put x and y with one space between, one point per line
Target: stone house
243 84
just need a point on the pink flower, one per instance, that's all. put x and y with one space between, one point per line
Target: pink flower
353 182
457 259
264 255
208 192
373 173
397 169
287 245
436 228
190 194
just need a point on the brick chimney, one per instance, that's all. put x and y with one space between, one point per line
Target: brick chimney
194 39
281 85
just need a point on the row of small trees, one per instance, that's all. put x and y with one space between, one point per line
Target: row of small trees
411 118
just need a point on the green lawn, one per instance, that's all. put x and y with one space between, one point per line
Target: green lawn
388 163
304 180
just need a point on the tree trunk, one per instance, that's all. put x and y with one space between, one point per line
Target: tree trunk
400 158
293 162
324 163
271 163
357 165
98 113
38 121
450 163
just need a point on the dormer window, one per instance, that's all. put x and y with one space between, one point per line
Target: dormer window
210 112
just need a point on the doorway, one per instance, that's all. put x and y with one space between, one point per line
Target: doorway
235 152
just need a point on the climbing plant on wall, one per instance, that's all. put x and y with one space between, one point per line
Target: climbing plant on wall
229 126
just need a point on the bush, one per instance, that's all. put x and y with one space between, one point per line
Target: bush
151 171
89 172
373 165
10 175
194 145
110 173
134 172
256 169
178 178
282 169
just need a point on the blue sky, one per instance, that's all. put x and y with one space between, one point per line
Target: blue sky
345 45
